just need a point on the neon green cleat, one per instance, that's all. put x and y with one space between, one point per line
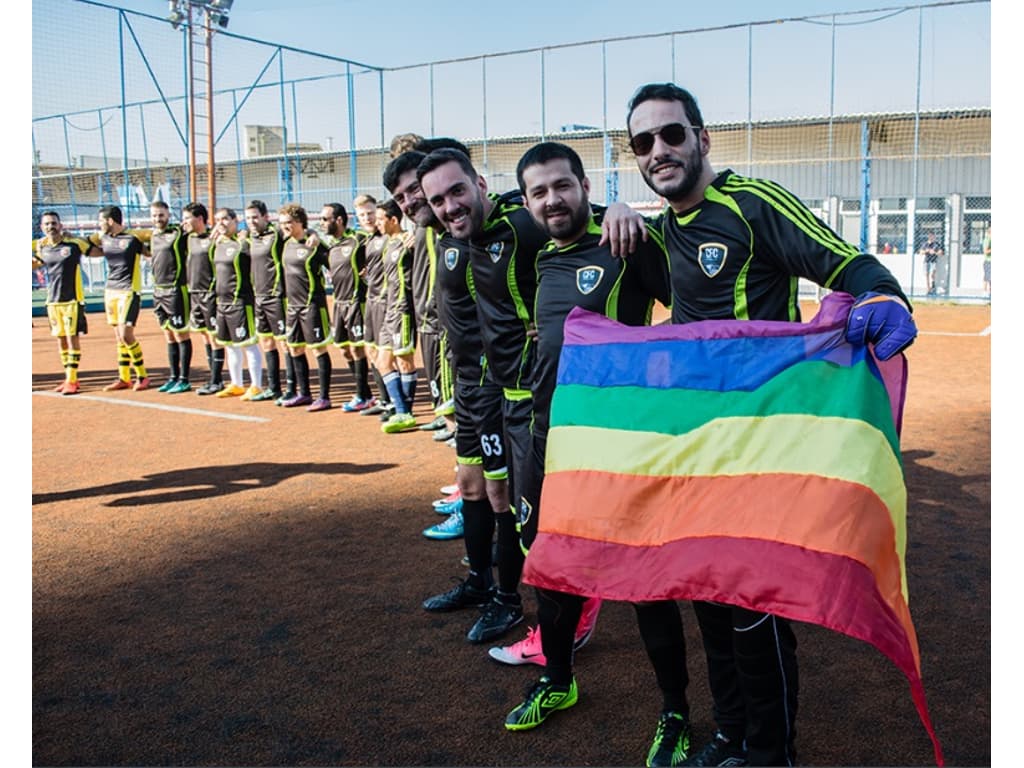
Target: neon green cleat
400 422
544 698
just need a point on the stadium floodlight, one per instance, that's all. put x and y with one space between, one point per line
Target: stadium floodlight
176 17
222 5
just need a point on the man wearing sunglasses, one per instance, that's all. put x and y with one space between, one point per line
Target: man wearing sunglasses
736 249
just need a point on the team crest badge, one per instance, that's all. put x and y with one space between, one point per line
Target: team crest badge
231 252
346 251
451 258
64 251
711 257
303 252
525 511
495 249
588 278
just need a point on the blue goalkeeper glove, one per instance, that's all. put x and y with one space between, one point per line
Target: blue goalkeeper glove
882 320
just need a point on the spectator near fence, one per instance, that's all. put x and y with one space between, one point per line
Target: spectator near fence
986 248
931 251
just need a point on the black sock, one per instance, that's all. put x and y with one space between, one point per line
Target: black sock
478 523
173 360
382 391
323 369
289 372
301 374
510 554
361 370
558 614
185 354
273 358
661 629
217 371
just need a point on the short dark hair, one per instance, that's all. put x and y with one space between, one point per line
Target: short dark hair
339 212
49 213
545 152
259 205
390 208
111 212
426 146
666 92
439 157
405 162
229 211
159 204
197 209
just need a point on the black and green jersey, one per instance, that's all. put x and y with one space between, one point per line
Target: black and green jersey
740 253
347 256
200 263
424 271
374 246
503 260
62 261
265 252
397 261
232 271
167 248
123 253
585 274
456 305
304 273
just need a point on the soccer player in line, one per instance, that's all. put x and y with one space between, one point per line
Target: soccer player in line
374 310
199 265
736 247
236 325
574 270
347 256
308 325
167 251
396 343
123 249
265 245
61 257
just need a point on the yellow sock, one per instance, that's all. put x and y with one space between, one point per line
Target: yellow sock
71 367
124 362
135 350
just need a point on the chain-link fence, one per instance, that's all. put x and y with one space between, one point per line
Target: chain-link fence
879 120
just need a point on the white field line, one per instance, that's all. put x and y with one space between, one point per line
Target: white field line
987 331
168 408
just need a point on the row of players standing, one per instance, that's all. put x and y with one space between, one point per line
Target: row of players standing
510 269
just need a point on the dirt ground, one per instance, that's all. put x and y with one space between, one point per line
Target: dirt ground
225 583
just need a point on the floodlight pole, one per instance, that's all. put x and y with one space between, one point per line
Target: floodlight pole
211 181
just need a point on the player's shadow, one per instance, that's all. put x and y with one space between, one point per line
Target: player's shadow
206 482
937 487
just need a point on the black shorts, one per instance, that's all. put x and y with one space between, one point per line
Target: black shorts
430 349
348 325
270 317
171 307
204 312
398 333
235 324
374 326
517 412
308 325
479 433
531 483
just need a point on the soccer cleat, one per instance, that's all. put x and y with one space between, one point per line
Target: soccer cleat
388 412
719 751
450 443
449 508
212 388
544 698
443 435
266 394
444 505
70 388
497 619
526 651
462 595
180 386
452 527
167 386
282 399
437 423
141 384
297 400
400 422
60 387
671 745
320 404
588 620
358 404
119 384
374 410
250 393
232 390
448 490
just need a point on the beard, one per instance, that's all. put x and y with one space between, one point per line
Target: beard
570 226
679 189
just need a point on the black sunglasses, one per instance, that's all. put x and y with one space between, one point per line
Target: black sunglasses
672 134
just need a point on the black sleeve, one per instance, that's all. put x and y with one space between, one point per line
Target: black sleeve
866 273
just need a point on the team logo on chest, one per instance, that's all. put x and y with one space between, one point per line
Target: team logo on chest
451 258
588 278
711 257
302 252
525 511
346 251
495 250
231 251
64 251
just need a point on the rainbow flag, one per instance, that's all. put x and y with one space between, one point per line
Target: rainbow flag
751 463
